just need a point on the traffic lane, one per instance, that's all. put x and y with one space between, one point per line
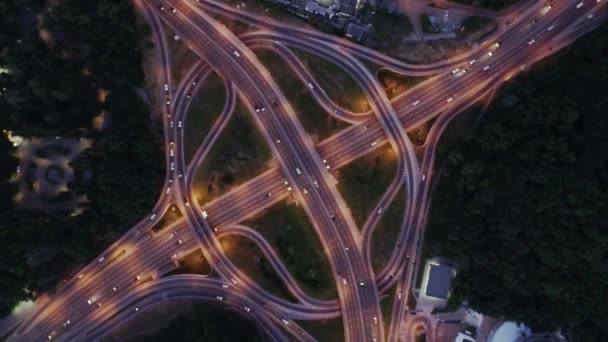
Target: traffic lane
92 286
182 287
182 35
353 48
274 259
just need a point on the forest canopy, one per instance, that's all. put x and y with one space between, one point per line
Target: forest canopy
523 204
64 62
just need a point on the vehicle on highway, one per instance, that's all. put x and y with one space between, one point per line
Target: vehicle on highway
415 103
298 171
486 68
236 53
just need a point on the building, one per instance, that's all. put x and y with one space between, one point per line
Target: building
354 31
439 281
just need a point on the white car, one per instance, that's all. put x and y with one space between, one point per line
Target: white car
415 103
486 68
298 171
450 99
220 298
179 124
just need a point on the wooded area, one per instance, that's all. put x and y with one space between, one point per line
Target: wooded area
65 65
523 204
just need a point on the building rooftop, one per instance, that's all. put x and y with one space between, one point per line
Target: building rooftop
354 31
440 279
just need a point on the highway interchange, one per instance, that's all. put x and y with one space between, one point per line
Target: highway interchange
126 279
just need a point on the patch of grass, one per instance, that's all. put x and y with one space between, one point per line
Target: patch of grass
419 134
427 25
172 215
193 263
206 106
330 330
338 84
489 4
246 255
475 28
238 155
363 181
394 83
389 30
385 235
288 229
314 118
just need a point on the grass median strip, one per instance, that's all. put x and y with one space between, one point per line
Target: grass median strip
238 155
206 106
245 254
315 120
385 235
363 181
288 229
338 84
